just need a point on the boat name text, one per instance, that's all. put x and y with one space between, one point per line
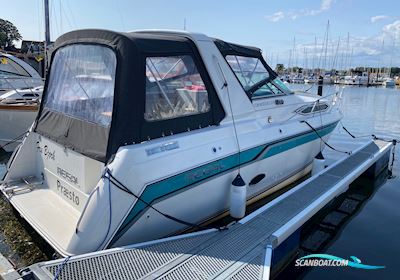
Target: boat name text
67 193
47 153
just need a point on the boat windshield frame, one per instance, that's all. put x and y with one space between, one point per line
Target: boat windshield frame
229 49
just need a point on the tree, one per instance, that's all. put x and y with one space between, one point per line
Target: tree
280 68
8 34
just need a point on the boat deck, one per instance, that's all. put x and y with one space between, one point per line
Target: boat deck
243 251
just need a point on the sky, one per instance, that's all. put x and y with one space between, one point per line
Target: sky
360 33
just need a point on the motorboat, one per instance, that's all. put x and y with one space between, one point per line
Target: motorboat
20 91
142 135
298 79
18 109
21 88
17 74
356 80
328 80
22 95
389 82
311 79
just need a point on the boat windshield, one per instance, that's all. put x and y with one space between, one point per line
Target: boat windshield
254 77
81 83
9 67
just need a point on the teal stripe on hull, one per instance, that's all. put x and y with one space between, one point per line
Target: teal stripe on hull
193 176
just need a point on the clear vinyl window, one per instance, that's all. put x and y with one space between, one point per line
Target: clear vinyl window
81 83
174 88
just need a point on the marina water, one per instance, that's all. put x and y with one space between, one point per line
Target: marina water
369 233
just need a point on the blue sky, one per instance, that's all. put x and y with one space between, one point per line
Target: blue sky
270 25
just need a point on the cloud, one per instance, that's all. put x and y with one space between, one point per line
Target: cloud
392 29
377 50
276 16
324 6
377 18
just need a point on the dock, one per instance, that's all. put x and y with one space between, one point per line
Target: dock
248 249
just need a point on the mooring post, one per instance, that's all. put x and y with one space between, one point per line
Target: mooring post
320 84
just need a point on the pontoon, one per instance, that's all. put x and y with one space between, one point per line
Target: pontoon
140 136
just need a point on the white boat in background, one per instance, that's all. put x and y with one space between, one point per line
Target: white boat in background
112 160
17 74
18 109
356 80
15 120
310 80
22 95
328 80
389 82
21 88
298 79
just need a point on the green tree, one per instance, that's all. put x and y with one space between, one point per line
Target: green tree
280 68
8 34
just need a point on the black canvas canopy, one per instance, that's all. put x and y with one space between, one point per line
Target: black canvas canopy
234 49
239 50
128 125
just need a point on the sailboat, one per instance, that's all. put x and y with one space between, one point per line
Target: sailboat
141 135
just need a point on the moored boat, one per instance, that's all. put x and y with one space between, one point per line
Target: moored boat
140 135
389 82
17 74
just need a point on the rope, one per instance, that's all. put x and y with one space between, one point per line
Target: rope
60 267
15 139
326 143
122 187
352 135
393 141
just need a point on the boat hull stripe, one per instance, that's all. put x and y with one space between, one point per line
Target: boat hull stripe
185 179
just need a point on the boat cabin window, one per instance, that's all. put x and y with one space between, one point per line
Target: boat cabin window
9 67
174 88
254 77
81 83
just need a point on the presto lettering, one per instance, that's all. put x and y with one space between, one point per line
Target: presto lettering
67 193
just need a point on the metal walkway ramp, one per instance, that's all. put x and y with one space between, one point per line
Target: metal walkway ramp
243 251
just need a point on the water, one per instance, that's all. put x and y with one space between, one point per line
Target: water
369 233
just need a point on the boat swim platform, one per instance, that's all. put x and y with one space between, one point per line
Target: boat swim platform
243 251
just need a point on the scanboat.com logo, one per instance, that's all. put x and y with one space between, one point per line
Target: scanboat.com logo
329 260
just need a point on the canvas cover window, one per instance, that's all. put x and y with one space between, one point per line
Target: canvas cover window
174 88
82 80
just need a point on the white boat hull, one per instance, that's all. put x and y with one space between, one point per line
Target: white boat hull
80 199
197 203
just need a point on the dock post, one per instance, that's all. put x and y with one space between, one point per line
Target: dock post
320 84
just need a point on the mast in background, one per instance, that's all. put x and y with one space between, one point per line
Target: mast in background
46 31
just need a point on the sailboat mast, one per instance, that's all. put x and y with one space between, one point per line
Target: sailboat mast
46 29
